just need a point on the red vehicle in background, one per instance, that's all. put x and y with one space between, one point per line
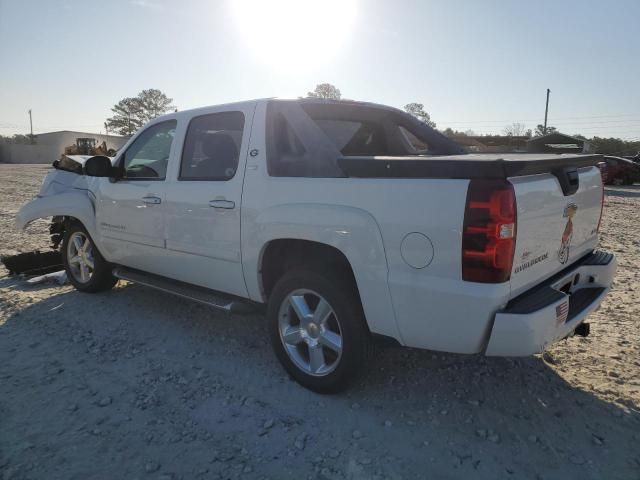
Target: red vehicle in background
619 171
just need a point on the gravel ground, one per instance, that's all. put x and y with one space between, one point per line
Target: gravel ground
137 384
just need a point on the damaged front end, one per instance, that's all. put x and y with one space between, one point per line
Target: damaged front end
67 173
58 181
38 262
65 194
56 231
71 163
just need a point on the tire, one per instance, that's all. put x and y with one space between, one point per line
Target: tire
326 352
77 257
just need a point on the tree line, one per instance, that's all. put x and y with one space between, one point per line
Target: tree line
612 146
131 113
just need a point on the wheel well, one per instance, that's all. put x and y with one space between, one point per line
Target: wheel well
58 226
282 255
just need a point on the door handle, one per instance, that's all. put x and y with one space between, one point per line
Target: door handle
152 200
226 204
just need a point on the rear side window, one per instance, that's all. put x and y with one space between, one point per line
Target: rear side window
286 147
355 137
418 145
307 138
212 147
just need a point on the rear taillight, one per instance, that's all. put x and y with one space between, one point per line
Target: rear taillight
601 207
489 231
602 166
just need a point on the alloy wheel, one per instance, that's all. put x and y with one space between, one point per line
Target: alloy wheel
310 332
80 257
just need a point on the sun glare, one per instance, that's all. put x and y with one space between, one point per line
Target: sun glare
294 32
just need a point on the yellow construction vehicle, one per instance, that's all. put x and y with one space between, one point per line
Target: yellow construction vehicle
87 146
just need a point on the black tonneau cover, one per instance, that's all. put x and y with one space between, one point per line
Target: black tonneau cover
464 166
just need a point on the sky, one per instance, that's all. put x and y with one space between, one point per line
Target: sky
475 65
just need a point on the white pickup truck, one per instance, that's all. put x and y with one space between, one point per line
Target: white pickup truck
350 221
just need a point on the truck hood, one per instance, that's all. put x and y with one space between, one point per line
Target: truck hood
81 159
73 163
67 174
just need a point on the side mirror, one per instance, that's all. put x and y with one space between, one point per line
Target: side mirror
99 166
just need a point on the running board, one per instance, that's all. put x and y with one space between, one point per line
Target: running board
198 294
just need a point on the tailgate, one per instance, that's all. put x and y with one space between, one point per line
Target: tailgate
554 229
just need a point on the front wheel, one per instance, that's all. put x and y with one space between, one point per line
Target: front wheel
317 330
86 268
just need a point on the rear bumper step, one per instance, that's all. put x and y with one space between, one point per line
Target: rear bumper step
554 309
198 294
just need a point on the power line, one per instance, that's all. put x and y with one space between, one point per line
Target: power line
616 122
538 119
588 126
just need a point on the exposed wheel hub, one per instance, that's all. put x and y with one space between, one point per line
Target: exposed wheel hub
313 330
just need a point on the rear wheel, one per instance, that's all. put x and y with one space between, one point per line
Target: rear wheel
317 330
86 268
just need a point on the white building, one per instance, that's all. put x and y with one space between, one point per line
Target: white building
48 147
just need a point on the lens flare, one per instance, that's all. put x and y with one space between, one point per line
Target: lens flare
294 33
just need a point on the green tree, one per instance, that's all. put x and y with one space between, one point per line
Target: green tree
615 146
449 132
325 90
417 110
540 130
153 103
131 113
515 130
17 138
126 118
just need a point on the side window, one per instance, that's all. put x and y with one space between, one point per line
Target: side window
287 148
212 147
296 146
416 144
148 155
355 137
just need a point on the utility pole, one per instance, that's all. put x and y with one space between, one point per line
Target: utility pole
546 112
106 128
31 125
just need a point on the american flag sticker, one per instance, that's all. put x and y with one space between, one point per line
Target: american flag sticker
562 311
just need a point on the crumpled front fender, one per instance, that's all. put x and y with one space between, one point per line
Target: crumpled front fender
71 204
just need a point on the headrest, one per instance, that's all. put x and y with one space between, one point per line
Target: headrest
219 145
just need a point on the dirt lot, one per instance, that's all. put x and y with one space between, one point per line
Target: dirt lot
137 384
